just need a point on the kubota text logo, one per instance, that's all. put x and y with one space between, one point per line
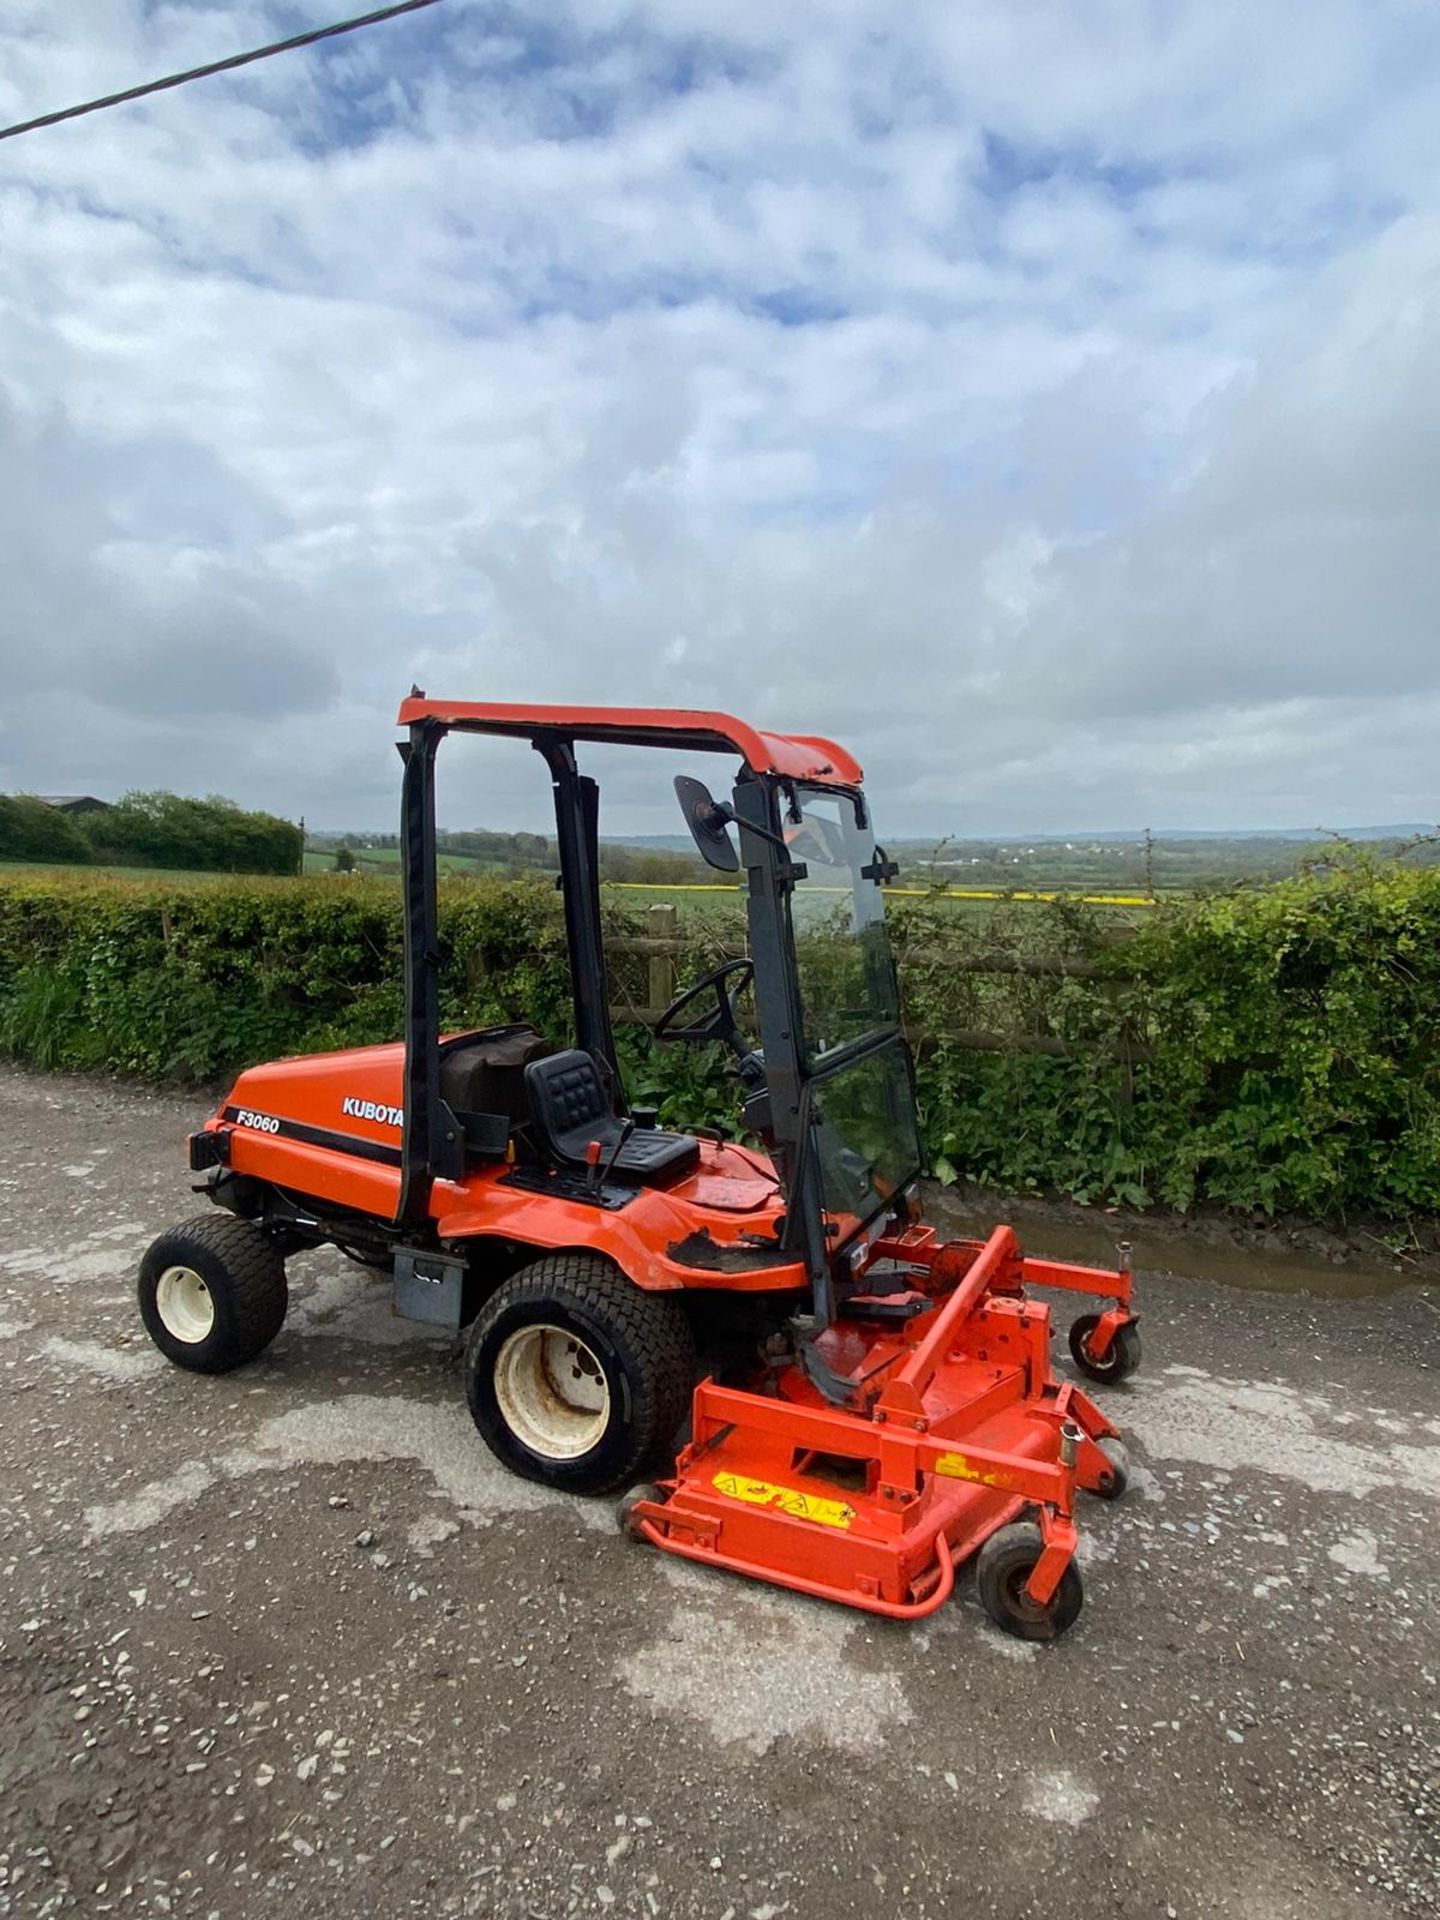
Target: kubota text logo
372 1110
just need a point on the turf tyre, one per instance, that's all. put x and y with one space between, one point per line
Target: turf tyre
241 1272
641 1342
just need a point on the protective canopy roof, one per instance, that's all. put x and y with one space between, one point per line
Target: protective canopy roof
799 756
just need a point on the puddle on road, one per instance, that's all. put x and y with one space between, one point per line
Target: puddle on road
1198 1252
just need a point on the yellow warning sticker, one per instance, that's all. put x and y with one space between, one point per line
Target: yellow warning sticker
955 1466
801 1506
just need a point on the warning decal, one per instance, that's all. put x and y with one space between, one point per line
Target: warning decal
956 1467
801 1506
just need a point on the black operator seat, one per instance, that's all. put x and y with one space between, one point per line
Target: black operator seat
570 1108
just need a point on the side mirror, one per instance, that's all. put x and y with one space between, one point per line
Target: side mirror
709 824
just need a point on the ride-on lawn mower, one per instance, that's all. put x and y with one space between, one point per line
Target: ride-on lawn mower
887 1407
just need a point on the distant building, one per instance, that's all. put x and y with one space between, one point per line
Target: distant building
74 802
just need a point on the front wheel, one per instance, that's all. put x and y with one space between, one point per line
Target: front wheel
626 1518
212 1293
575 1376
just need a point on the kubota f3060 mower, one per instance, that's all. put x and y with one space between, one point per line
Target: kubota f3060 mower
886 1406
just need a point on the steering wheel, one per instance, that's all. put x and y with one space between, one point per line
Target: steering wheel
720 1023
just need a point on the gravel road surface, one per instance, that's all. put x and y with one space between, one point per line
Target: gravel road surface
290 1642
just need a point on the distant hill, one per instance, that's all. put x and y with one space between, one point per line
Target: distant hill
681 842
1079 862
1135 836
654 842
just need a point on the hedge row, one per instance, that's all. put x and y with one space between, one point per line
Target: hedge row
1268 1050
189 983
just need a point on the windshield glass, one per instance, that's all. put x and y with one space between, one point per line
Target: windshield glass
865 1136
862 1108
842 952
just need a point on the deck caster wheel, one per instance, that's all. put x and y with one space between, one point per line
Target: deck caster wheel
625 1518
1001 1570
1118 1364
1118 1478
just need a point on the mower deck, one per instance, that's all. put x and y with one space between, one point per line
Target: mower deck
956 1426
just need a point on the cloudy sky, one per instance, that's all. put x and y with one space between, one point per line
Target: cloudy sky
1042 398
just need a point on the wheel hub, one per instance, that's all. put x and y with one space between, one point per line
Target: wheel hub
552 1391
185 1305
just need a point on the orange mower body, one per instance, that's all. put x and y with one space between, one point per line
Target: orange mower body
327 1126
876 1406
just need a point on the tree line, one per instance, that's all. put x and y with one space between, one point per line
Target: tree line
158 829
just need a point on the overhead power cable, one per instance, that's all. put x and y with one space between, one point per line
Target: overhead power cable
219 66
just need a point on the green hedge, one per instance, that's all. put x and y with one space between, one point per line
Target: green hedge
1269 1050
212 835
190 982
1265 1050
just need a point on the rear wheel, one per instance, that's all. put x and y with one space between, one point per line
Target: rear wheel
212 1293
575 1376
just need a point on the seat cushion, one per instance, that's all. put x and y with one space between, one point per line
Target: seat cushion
652 1156
570 1110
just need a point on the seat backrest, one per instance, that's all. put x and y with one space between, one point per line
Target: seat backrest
567 1096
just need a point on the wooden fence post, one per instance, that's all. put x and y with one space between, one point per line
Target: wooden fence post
662 922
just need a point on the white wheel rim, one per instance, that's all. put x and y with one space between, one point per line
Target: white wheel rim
185 1306
552 1392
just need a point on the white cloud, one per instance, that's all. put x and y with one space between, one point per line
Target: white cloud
1043 402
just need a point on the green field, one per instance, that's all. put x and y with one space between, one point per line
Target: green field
386 860
692 902
724 902
179 876
717 902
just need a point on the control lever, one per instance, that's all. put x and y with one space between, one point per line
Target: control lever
595 1178
627 1127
